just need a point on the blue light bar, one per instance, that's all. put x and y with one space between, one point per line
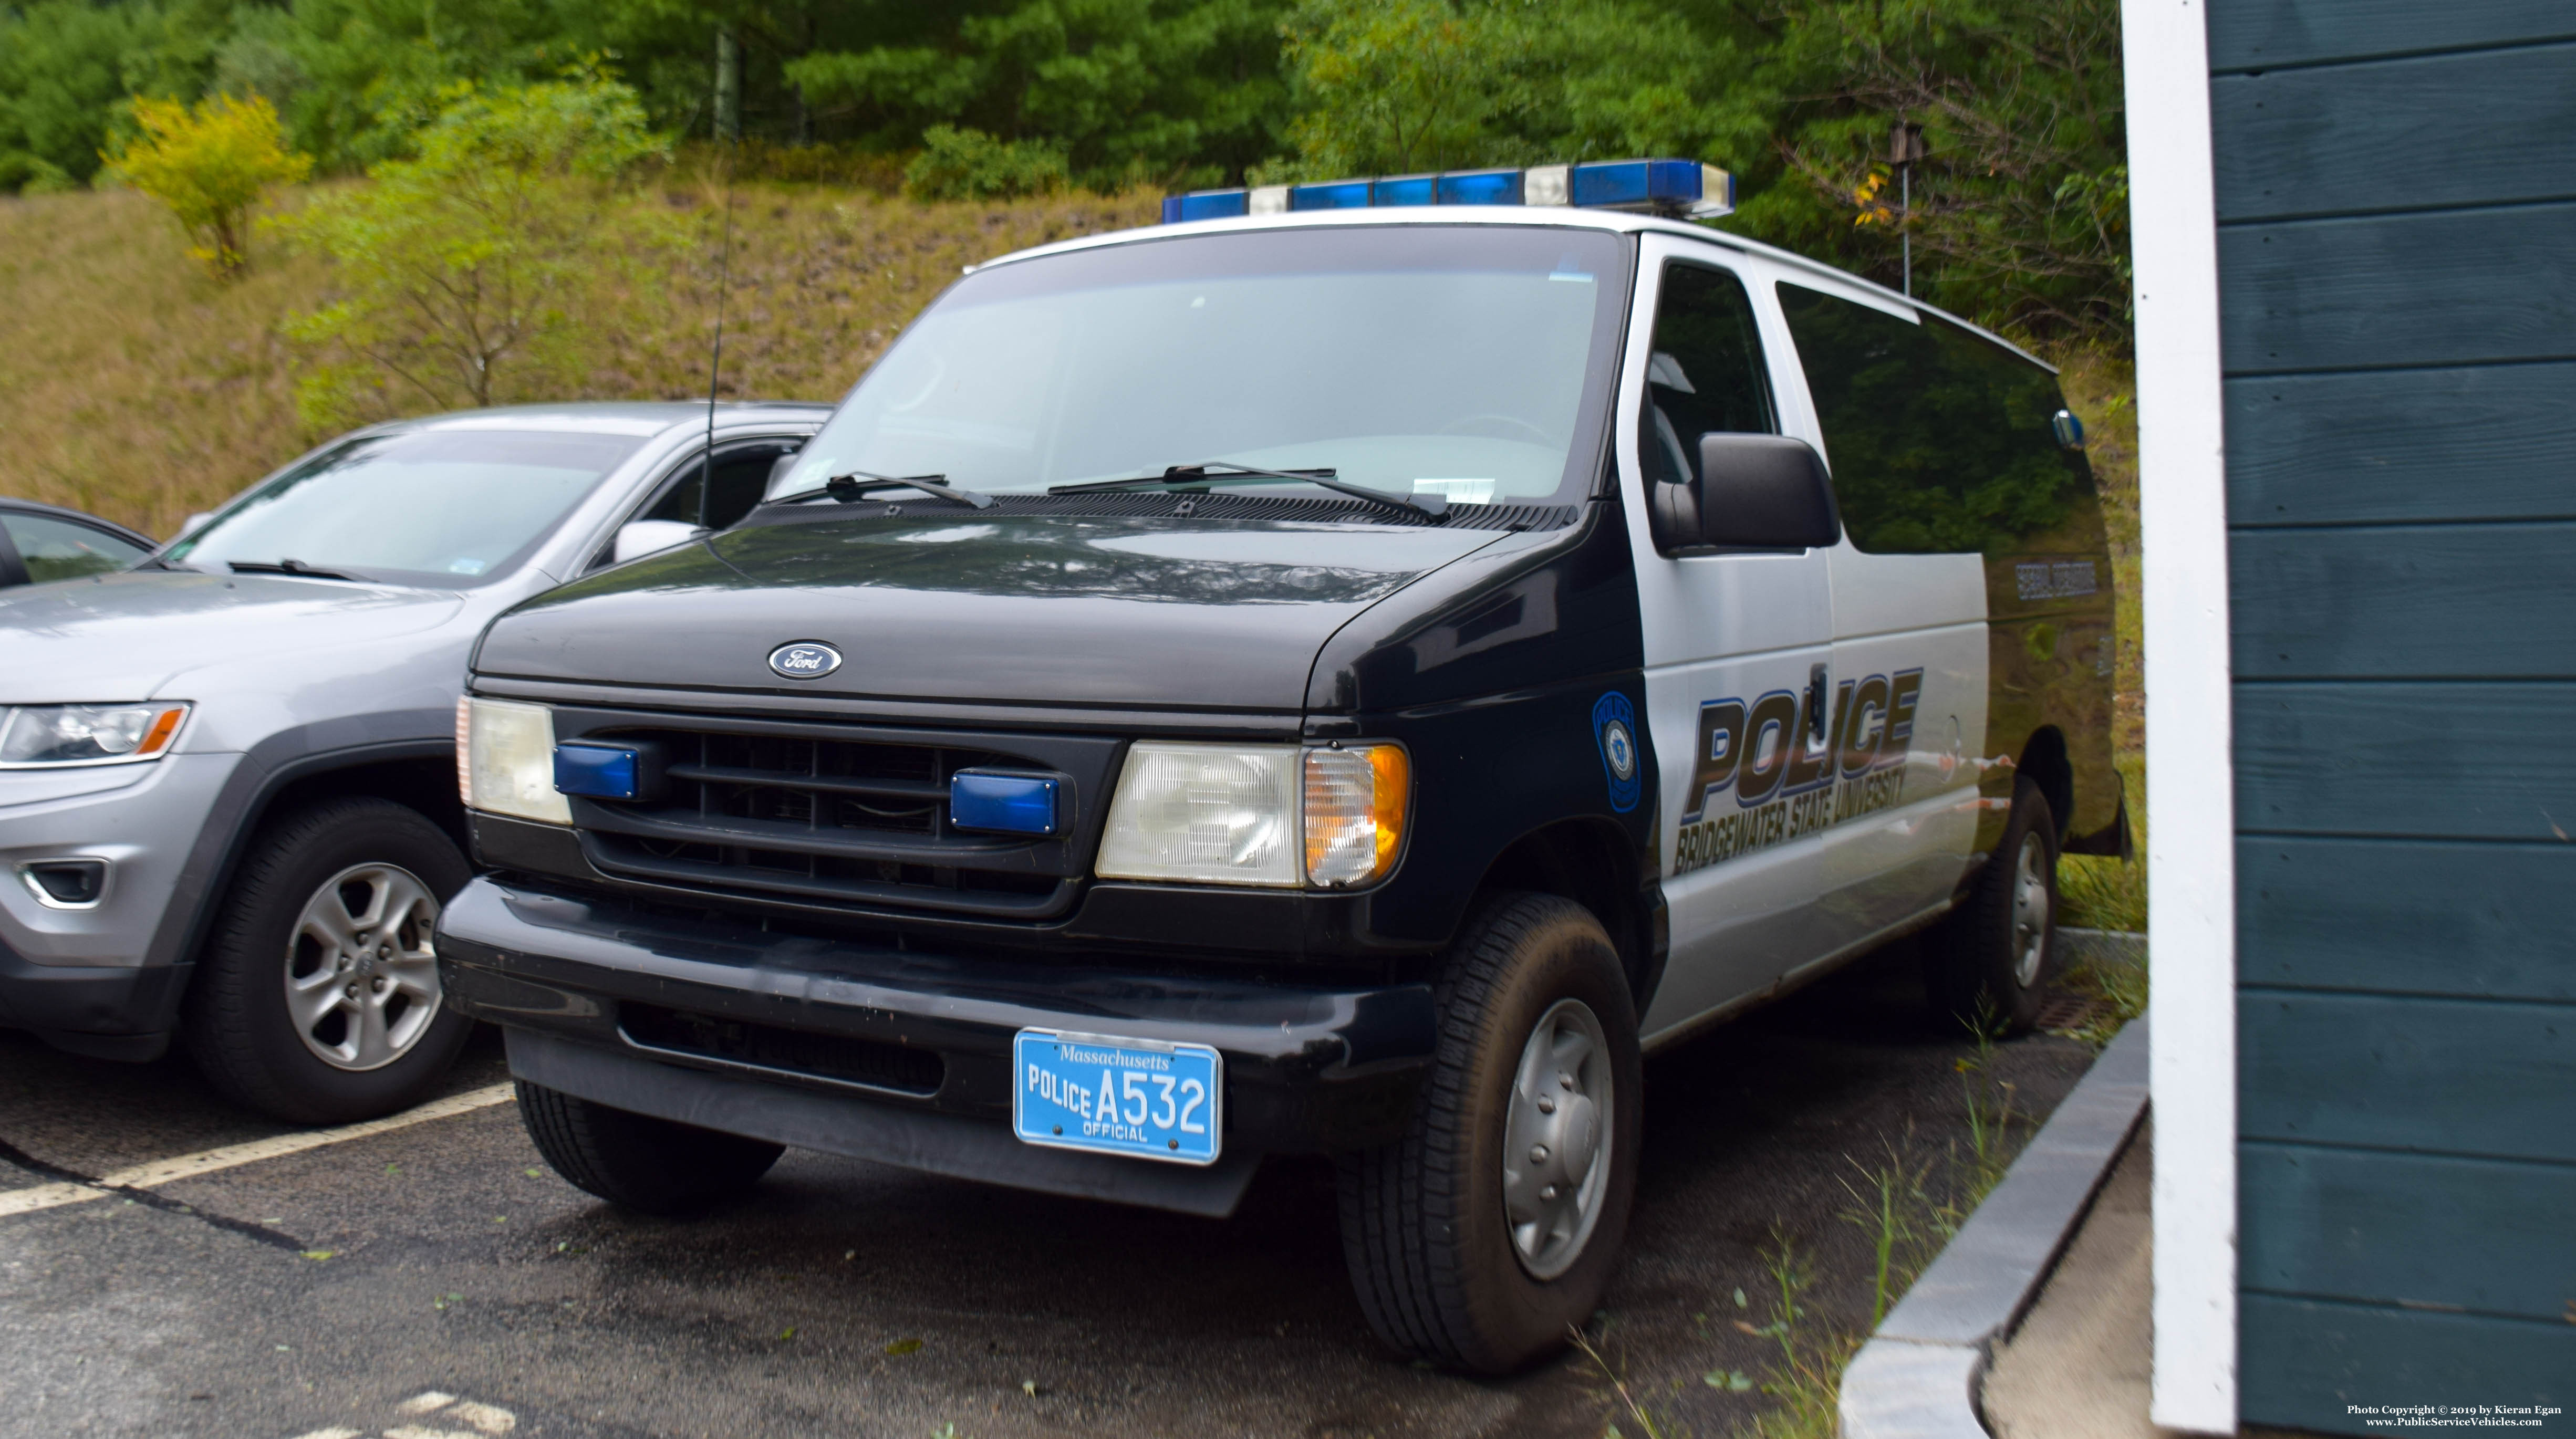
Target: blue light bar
1481 187
1331 195
1203 205
1007 803
599 771
1660 187
1405 190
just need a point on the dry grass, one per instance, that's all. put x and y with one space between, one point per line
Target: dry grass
141 390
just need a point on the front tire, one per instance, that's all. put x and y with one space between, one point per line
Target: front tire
1988 963
317 998
1493 1226
635 1161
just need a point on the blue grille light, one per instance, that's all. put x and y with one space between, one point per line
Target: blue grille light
599 771
1008 803
1662 187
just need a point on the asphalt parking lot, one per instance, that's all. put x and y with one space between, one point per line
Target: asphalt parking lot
434 1279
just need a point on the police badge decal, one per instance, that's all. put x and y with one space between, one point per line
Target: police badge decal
1614 729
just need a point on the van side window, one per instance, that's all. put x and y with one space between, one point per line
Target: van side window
1940 439
1705 371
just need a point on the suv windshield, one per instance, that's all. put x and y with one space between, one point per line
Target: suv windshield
447 508
1470 362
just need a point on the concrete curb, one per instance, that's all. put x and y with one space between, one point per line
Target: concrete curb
1917 1377
2101 946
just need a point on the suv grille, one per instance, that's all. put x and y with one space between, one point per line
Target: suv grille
843 816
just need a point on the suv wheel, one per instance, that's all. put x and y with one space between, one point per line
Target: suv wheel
317 997
1986 965
634 1161
1493 1225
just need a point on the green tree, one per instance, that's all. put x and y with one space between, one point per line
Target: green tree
472 260
211 164
62 75
2019 216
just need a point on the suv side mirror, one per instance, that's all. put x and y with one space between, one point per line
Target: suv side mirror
1755 492
636 538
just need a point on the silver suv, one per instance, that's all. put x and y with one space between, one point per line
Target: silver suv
228 808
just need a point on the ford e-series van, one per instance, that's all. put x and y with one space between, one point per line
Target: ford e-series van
1342 681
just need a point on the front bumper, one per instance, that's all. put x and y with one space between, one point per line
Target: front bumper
839 1030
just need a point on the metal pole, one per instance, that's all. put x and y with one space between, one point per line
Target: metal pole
1904 218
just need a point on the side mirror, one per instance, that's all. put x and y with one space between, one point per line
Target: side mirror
1755 492
643 537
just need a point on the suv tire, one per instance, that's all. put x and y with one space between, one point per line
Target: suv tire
341 895
637 1162
1988 963
1466 1248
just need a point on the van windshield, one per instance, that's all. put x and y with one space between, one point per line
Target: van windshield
449 508
1471 362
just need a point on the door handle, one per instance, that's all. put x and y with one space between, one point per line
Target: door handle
1816 702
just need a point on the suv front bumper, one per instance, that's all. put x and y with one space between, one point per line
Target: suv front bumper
574 977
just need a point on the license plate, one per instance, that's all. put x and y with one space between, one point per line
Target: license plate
1134 1097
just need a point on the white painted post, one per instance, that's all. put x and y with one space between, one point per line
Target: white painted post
2191 802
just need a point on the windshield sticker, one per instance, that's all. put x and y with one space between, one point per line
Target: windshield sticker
1614 728
1784 784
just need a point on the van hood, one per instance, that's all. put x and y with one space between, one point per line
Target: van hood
129 636
1146 611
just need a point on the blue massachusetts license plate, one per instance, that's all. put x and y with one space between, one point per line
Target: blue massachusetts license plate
1117 1096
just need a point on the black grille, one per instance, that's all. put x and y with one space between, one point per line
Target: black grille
799 813
871 1062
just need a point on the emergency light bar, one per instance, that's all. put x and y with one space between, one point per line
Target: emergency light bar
1660 187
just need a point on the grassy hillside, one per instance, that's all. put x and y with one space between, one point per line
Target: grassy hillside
141 390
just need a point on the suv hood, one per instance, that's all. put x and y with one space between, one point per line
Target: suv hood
128 636
1148 611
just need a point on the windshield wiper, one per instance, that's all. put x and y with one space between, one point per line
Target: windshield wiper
1209 471
292 567
850 487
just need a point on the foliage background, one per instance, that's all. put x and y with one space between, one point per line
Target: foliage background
2018 218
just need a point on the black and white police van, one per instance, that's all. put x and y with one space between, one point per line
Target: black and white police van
1346 676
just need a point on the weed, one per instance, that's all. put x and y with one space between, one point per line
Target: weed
1627 1401
1887 1209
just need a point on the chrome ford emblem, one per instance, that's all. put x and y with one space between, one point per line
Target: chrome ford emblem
804 660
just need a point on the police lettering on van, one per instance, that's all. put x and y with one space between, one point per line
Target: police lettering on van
1350 670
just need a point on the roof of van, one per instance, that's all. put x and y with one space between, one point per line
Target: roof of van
1566 217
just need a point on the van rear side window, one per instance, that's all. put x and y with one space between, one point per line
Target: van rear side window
1939 439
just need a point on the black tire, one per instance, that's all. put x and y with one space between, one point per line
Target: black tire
235 1020
1977 968
637 1162
1424 1224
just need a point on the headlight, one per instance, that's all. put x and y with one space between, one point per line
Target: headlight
1272 815
505 760
47 736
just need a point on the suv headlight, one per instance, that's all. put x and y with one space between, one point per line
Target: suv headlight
53 736
505 760
1272 815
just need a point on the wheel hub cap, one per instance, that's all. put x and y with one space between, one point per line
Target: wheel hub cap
361 971
1554 1173
2029 910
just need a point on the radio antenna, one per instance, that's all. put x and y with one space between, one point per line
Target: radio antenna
715 361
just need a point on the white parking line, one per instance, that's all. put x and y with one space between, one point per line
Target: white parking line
154 1173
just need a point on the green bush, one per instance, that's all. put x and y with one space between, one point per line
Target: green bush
957 164
210 165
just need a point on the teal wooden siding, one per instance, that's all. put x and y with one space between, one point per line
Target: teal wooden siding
2396 192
